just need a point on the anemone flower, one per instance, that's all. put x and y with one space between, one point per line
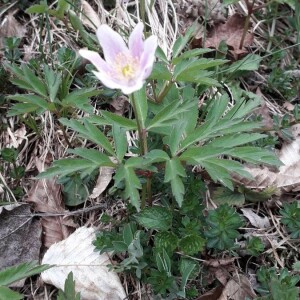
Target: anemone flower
124 68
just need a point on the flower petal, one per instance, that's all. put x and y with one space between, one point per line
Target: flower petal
95 59
148 56
126 87
111 43
107 80
135 43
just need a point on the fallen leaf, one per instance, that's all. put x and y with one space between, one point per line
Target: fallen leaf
120 105
46 197
255 219
219 262
231 32
90 18
213 294
20 236
92 277
238 288
10 27
104 178
16 137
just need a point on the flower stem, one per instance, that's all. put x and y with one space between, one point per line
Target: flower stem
146 187
143 13
165 90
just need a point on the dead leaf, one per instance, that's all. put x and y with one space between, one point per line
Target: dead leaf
120 105
77 254
20 236
16 137
10 27
90 18
213 294
231 32
238 288
104 178
256 220
219 262
46 197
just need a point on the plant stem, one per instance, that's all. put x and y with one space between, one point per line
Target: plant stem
247 22
165 90
146 187
143 13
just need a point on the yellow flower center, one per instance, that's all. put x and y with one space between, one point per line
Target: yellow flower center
126 66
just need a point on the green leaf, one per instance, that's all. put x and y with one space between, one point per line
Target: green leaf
190 54
233 140
161 55
127 234
141 105
69 292
119 135
195 155
37 85
176 135
223 195
132 184
182 41
249 63
166 240
155 217
94 156
67 166
186 67
90 132
113 118
163 262
186 268
80 95
32 99
6 293
53 82
62 7
21 271
37 9
255 155
160 72
23 108
77 25
156 155
174 170
191 244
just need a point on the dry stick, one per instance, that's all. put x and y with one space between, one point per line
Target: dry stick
246 26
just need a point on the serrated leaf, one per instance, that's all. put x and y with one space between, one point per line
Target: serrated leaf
38 86
156 155
160 72
156 217
37 9
113 118
249 63
66 166
120 140
24 270
166 240
191 244
31 99
93 155
6 293
189 54
69 290
223 195
182 41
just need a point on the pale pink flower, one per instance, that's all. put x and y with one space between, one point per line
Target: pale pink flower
124 68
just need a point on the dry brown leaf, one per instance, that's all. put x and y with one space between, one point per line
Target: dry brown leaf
20 236
104 178
46 197
213 294
17 137
255 219
90 18
10 27
120 105
77 254
238 288
231 32
219 262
